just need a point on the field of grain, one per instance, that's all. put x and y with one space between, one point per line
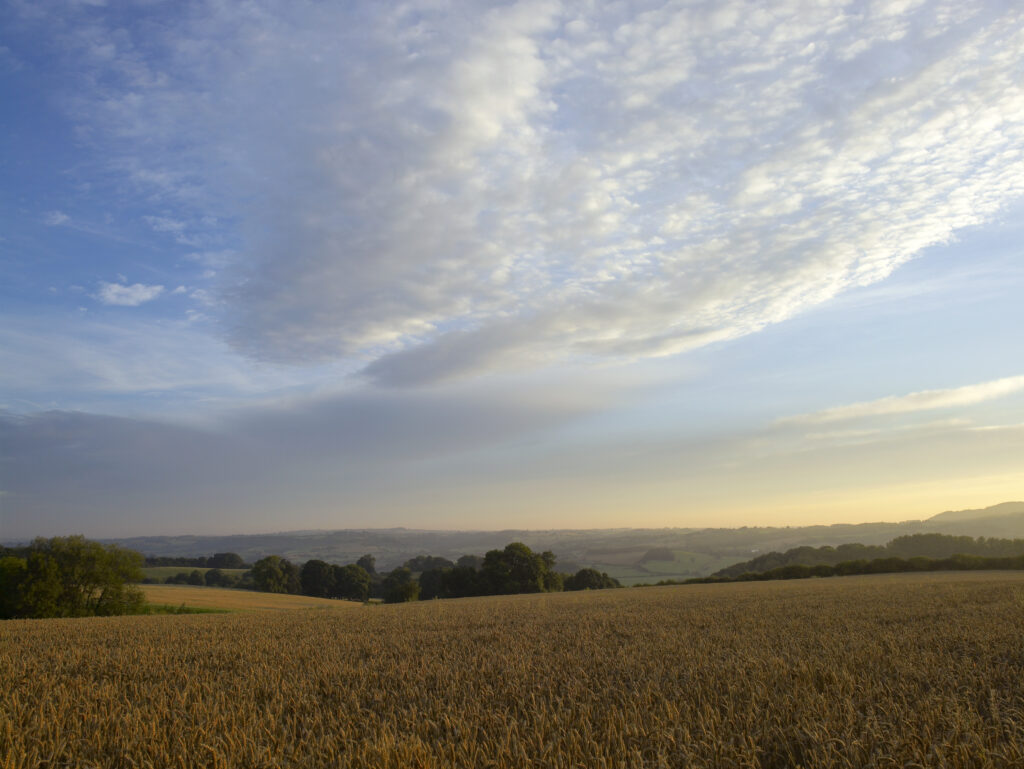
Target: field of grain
225 599
900 671
163 572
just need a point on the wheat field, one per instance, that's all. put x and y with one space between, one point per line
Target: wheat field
225 599
899 671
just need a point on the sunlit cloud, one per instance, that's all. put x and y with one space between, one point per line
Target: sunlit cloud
925 400
443 194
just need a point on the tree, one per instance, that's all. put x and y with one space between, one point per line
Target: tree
423 563
317 578
71 577
432 584
590 579
473 562
226 561
275 574
368 563
351 582
12 574
461 581
196 577
400 587
517 569
217 578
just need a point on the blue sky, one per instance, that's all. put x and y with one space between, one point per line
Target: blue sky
297 265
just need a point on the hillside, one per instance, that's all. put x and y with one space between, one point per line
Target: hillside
1001 510
924 545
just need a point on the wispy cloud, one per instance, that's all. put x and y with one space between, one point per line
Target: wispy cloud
925 400
55 218
532 182
127 296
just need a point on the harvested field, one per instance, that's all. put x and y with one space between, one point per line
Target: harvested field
235 600
886 671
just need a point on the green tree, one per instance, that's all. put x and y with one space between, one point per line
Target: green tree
400 587
217 578
351 582
590 579
423 563
275 574
517 569
73 577
317 578
12 575
368 563
226 561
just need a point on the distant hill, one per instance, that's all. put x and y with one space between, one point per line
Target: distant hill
995 511
630 555
924 545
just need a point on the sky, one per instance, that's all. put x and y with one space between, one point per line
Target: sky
269 266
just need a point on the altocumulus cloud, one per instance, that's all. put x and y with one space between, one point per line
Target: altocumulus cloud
442 191
127 296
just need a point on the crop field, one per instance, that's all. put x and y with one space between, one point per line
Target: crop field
235 600
884 671
162 572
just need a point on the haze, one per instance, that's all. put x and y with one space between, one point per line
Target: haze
274 266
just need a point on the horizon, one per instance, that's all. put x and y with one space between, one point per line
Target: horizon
517 266
300 532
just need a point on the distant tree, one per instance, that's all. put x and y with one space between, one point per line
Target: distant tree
517 569
461 581
399 586
432 584
473 562
351 582
217 578
275 574
423 563
317 578
226 561
590 579
369 564
196 578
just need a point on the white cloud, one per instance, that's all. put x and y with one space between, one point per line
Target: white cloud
925 400
441 193
56 218
164 224
127 296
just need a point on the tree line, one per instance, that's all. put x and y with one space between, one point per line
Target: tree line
890 565
215 561
514 569
936 546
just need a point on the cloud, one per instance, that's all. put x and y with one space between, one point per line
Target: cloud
441 194
925 400
56 218
62 467
127 296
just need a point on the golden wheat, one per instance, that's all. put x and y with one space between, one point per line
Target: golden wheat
235 600
913 670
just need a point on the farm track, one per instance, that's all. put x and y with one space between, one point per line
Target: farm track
900 671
